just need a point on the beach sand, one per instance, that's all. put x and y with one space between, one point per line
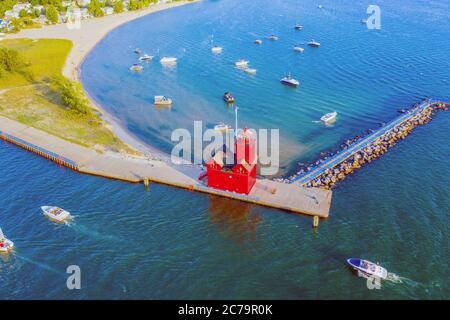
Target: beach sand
84 39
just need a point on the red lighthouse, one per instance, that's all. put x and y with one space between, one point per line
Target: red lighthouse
239 177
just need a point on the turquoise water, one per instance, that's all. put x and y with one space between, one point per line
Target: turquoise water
170 243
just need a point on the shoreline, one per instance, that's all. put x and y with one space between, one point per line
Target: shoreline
83 44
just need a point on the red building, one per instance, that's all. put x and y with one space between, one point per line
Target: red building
240 176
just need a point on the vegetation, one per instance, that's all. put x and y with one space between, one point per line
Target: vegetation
47 100
95 8
52 14
118 7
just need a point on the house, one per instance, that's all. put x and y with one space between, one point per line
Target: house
5 25
11 14
39 7
108 10
240 176
84 12
83 3
66 4
22 6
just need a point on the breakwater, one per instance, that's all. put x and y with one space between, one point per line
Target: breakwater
331 168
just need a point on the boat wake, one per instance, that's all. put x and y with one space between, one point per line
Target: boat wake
395 278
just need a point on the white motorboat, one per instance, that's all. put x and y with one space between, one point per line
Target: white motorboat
136 67
289 81
56 214
146 57
329 117
273 37
216 49
250 70
6 245
368 268
168 60
222 127
298 49
298 27
241 63
258 41
162 101
313 43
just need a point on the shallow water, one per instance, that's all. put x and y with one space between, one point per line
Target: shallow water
170 243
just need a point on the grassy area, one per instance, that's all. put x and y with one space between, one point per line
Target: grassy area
38 103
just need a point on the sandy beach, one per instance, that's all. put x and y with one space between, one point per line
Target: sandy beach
84 40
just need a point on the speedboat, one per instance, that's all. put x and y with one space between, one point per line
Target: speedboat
313 43
329 117
216 49
250 70
228 97
289 81
273 37
162 101
258 41
298 49
145 57
241 63
168 60
56 214
6 245
222 127
298 27
136 67
368 268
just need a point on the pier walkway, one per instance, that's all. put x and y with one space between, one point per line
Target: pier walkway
357 146
289 197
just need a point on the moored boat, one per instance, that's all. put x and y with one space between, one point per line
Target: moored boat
228 97
136 67
258 41
273 37
298 49
162 101
241 63
55 213
298 26
168 60
6 245
137 51
289 81
250 70
146 57
368 268
314 43
216 49
329 117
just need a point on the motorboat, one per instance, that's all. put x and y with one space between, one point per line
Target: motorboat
216 49
222 127
298 49
228 97
273 37
241 63
136 67
250 70
329 117
258 41
289 81
137 51
6 245
56 214
146 57
168 60
313 43
162 101
298 27
368 268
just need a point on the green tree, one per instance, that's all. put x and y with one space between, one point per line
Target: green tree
12 62
95 8
118 6
73 97
52 14
23 13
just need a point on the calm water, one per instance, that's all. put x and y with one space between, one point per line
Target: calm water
170 243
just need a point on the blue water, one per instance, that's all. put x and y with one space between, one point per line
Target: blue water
170 243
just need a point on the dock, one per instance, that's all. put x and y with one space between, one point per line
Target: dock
268 193
325 174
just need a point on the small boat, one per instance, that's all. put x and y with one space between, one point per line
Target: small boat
216 49
313 43
329 117
136 67
228 97
137 51
162 101
56 214
298 49
241 63
289 81
258 41
6 245
368 268
222 127
168 60
273 37
250 70
298 27
145 57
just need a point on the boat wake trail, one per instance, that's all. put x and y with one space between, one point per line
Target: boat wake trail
89 232
395 278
